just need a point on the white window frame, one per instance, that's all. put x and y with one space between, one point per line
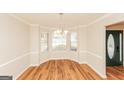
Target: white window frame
77 41
47 41
66 48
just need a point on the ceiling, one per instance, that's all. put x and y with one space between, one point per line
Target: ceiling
53 19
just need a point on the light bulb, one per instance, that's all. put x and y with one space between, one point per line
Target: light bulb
65 31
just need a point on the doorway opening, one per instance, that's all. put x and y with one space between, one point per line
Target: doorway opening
114 51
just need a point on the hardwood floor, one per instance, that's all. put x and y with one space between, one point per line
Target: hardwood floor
60 70
115 73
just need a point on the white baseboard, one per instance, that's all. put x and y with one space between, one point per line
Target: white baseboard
10 67
103 76
15 66
84 62
34 64
22 72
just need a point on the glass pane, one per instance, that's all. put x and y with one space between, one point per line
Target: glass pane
59 41
120 47
44 42
111 46
74 41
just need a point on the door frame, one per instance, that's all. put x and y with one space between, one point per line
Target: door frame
106 45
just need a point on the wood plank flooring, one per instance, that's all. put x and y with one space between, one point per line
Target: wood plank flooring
60 70
115 73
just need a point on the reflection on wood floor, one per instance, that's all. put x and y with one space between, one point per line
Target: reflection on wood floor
115 73
60 70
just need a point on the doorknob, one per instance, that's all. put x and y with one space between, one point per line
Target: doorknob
117 48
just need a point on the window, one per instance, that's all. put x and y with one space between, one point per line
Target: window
73 41
44 42
59 41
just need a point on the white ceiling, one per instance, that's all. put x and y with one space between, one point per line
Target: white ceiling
53 19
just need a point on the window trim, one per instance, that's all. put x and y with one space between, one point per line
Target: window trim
47 41
77 41
64 50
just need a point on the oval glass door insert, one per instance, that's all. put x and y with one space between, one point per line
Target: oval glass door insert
110 46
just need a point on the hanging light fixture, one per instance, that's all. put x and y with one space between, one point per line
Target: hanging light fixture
61 28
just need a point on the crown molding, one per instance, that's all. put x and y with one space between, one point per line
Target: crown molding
76 27
18 18
99 19
35 25
46 27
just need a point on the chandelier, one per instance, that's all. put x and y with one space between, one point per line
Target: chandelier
61 27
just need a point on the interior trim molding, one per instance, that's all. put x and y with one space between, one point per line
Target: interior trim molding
79 52
99 19
18 18
78 26
22 72
91 53
76 60
94 54
103 76
13 60
46 27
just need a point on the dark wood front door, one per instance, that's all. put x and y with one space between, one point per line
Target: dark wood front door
114 47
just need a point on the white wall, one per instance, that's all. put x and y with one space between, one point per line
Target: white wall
77 56
14 48
82 44
34 44
96 41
